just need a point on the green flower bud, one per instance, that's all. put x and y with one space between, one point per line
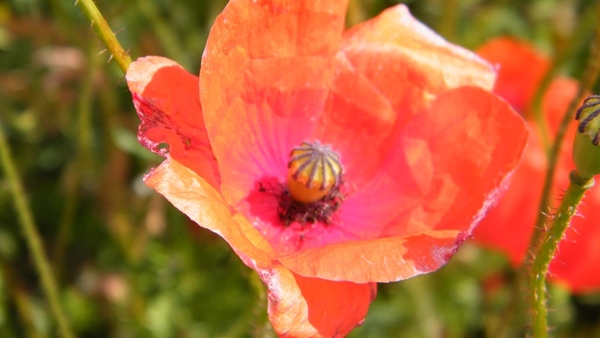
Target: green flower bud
586 152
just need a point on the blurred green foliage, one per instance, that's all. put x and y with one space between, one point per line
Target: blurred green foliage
130 265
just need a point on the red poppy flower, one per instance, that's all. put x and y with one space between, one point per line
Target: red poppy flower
509 225
423 149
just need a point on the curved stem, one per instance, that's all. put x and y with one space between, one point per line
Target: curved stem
105 33
33 238
537 281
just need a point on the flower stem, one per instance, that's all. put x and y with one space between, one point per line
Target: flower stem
537 282
33 238
105 33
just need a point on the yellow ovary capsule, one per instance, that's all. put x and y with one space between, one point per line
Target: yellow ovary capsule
314 169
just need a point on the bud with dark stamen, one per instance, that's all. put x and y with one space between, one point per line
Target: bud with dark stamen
314 169
586 152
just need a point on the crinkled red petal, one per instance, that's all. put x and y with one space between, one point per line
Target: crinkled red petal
311 307
357 121
166 99
509 224
409 63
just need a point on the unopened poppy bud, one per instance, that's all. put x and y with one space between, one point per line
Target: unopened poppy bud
587 115
314 169
586 152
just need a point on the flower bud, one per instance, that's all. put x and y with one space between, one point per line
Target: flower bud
586 152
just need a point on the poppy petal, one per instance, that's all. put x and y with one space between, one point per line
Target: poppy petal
311 307
460 182
521 69
203 204
357 120
166 99
382 260
387 70
409 63
509 224
450 165
265 75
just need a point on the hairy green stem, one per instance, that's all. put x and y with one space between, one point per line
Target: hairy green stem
537 281
537 275
105 33
33 238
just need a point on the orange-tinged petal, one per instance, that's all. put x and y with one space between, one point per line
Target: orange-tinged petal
311 307
455 187
509 224
521 69
389 68
408 62
265 75
203 204
377 260
439 193
167 102
357 121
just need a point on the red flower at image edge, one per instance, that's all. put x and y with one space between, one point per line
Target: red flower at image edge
425 149
509 225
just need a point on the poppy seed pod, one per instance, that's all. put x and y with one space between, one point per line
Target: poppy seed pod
313 170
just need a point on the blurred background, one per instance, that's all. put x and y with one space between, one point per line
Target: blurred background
127 263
